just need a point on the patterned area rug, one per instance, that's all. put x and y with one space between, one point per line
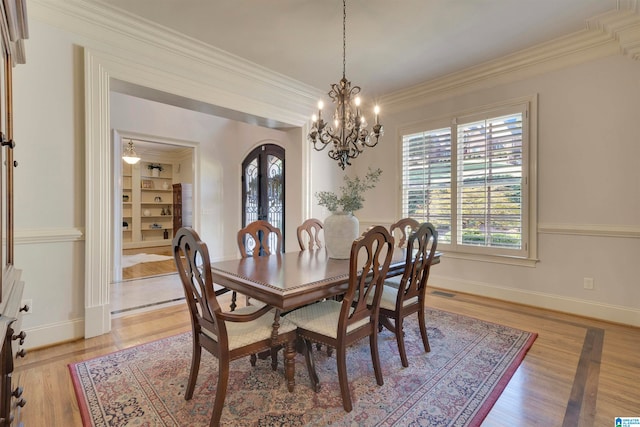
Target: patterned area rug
457 383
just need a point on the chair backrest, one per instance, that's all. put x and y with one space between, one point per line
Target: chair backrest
421 248
404 227
309 231
197 282
259 238
371 255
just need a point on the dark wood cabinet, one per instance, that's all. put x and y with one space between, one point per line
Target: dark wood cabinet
182 206
13 30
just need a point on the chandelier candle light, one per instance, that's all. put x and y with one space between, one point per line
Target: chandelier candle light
349 135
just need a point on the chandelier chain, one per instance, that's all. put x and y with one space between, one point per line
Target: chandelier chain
344 38
348 135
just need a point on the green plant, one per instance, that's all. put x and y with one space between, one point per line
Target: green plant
351 193
152 166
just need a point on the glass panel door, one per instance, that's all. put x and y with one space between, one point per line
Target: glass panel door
263 187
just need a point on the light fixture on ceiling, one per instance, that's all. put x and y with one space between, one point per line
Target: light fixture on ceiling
349 135
130 155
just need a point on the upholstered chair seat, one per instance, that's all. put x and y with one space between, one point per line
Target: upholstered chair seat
245 333
390 296
322 318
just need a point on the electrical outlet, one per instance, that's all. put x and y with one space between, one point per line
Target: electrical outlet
588 283
29 304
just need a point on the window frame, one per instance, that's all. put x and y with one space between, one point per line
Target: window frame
527 255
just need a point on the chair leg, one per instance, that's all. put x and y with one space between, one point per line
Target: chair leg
274 358
234 296
221 391
341 360
253 359
400 340
311 367
195 367
375 355
423 330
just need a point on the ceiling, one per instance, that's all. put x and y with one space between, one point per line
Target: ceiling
391 44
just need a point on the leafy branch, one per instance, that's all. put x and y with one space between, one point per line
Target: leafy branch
351 193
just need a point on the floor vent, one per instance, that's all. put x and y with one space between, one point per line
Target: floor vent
443 294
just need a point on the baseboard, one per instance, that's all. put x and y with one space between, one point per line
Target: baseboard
595 310
54 333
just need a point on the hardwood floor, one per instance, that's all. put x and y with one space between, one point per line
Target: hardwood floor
579 372
149 269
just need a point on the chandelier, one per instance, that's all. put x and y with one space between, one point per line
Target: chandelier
349 135
130 156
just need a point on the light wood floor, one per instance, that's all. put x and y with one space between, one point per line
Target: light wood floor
579 372
148 269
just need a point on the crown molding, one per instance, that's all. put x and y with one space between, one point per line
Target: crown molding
607 34
623 25
101 27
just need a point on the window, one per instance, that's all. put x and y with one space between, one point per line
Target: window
470 179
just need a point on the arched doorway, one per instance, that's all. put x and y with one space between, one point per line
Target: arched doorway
263 186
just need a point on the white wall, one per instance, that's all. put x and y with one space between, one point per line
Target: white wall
51 186
588 175
588 184
223 144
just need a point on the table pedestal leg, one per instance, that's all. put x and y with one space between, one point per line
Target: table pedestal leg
290 364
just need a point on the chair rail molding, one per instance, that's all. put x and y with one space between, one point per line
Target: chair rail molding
30 236
594 230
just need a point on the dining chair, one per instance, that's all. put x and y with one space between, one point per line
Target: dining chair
400 230
403 228
340 324
309 232
226 335
397 303
259 238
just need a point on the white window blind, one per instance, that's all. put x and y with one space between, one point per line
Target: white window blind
490 182
426 179
470 181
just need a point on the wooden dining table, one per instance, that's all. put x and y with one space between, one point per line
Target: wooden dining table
293 279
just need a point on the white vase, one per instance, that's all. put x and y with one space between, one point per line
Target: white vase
340 230
155 172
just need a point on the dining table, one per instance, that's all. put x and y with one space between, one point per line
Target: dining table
290 280
293 279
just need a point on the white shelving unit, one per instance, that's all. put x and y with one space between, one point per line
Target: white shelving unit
148 211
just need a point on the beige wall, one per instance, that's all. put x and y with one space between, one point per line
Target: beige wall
589 182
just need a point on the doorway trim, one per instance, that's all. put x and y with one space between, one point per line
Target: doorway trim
99 69
118 137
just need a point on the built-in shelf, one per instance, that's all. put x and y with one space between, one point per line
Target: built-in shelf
147 200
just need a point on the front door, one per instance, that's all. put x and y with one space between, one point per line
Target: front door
263 186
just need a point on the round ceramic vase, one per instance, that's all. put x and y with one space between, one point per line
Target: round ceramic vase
340 230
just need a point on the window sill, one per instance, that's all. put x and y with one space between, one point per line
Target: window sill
521 262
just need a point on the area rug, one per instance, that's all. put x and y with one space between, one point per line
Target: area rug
131 260
456 384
